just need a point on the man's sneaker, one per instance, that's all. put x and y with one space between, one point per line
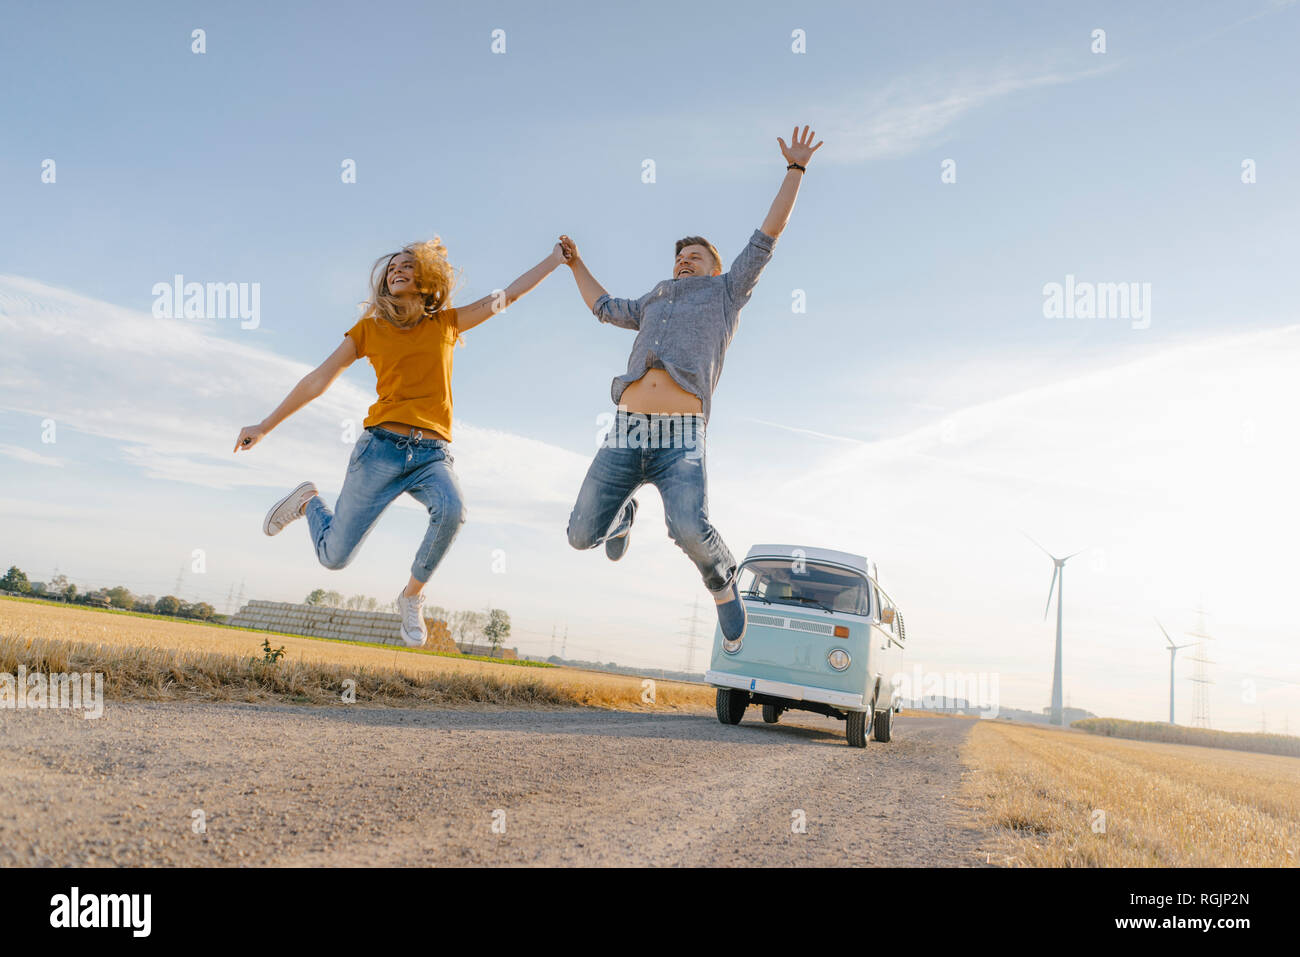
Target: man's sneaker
414 632
616 545
731 616
288 509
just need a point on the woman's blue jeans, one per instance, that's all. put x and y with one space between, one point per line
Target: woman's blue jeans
384 465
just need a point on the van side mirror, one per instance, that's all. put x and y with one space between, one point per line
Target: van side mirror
886 616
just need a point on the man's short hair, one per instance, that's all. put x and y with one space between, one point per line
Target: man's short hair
698 241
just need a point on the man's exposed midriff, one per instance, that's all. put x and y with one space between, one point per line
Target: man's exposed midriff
657 392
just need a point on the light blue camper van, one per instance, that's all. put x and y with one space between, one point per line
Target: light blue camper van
822 636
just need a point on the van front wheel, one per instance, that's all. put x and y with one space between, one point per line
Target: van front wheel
855 725
731 705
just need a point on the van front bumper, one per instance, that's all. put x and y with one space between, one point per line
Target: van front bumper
779 689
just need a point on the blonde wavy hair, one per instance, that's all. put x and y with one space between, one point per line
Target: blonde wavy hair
434 280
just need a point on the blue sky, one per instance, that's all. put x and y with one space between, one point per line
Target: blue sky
924 299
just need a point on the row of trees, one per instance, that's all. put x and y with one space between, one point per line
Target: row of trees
61 589
466 627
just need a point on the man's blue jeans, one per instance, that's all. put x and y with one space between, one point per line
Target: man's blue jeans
384 465
666 452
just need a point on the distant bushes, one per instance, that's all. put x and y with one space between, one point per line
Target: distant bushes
1179 734
119 597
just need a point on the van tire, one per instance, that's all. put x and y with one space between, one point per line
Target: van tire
855 728
731 705
883 726
771 713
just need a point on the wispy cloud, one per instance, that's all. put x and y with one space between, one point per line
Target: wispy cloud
801 430
28 455
918 111
888 119
914 113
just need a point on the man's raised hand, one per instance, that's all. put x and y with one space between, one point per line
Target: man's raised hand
800 149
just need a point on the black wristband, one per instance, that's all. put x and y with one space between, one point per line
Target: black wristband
802 169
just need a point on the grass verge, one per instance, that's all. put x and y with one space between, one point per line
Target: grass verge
161 674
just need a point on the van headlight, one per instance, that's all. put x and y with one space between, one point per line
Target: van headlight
839 659
729 646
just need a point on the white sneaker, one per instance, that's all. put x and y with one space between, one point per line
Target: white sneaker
288 509
414 633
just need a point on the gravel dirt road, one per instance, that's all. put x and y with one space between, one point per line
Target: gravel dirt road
289 785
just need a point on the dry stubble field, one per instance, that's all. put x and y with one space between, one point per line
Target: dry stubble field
1165 805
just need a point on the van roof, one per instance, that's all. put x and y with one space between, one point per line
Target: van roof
811 553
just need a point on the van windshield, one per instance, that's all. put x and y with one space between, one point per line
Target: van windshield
808 584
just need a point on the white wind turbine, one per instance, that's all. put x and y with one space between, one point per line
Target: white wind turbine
1173 650
1057 586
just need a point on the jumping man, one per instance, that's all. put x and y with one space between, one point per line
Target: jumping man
683 325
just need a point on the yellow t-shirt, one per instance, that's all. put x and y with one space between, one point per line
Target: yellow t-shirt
413 369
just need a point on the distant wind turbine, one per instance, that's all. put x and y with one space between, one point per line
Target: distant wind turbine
1057 586
1173 650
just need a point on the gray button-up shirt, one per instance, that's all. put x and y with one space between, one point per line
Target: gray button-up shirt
687 323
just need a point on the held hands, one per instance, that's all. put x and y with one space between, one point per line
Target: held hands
569 249
557 256
800 149
249 436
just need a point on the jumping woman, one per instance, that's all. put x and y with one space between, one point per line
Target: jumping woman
408 331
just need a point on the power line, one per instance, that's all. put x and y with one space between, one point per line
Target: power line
692 634
1201 679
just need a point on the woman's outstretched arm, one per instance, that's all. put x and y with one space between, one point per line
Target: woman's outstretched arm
467 317
588 287
310 386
